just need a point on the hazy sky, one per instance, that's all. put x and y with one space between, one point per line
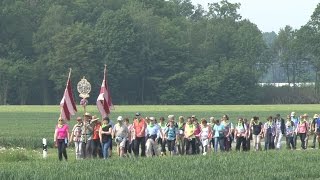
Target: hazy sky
271 15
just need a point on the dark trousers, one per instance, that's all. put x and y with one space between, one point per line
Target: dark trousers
96 148
162 143
171 144
314 140
241 140
137 142
268 141
295 137
87 149
62 149
212 142
227 143
198 144
191 143
129 147
271 143
290 142
302 138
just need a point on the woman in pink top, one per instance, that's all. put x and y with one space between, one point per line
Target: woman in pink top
61 138
302 130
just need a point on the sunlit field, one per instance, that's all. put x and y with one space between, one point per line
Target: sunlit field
23 127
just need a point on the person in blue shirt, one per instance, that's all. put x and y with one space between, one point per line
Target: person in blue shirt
171 134
317 129
218 131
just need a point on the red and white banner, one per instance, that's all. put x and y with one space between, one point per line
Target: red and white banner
104 102
67 104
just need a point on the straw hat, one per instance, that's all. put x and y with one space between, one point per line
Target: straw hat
94 118
315 116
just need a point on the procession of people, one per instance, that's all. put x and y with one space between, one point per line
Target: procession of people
186 136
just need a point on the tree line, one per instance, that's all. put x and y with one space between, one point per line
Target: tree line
157 51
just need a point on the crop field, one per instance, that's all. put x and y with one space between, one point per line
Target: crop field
23 127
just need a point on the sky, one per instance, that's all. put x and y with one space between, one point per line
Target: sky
271 15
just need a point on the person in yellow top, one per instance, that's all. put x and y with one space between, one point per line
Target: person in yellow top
189 137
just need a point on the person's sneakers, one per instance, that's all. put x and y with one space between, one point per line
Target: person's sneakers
204 153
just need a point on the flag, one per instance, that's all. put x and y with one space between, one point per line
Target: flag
67 104
104 102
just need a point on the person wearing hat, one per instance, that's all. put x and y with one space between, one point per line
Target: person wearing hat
302 130
295 119
96 145
139 126
76 137
280 129
61 137
86 136
153 131
105 136
312 128
120 134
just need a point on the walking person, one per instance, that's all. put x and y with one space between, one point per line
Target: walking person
269 131
180 140
120 134
317 130
196 133
240 135
249 134
280 129
152 138
290 134
61 138
96 145
313 131
257 133
205 136
162 140
218 131
171 134
189 137
295 120
129 146
76 137
139 126
211 124
228 128
302 130
105 137
86 136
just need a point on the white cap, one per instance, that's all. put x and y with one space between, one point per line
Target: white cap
119 118
152 118
171 117
293 114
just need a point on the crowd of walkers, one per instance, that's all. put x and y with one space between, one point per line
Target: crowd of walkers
184 136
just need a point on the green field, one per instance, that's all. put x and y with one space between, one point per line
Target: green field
25 126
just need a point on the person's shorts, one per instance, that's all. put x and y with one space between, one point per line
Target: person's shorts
121 142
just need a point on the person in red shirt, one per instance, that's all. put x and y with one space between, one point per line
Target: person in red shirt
96 145
139 126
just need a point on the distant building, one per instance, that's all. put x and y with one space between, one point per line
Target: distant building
306 84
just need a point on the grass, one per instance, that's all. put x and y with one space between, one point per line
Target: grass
25 126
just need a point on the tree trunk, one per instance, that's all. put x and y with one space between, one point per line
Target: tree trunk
142 90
